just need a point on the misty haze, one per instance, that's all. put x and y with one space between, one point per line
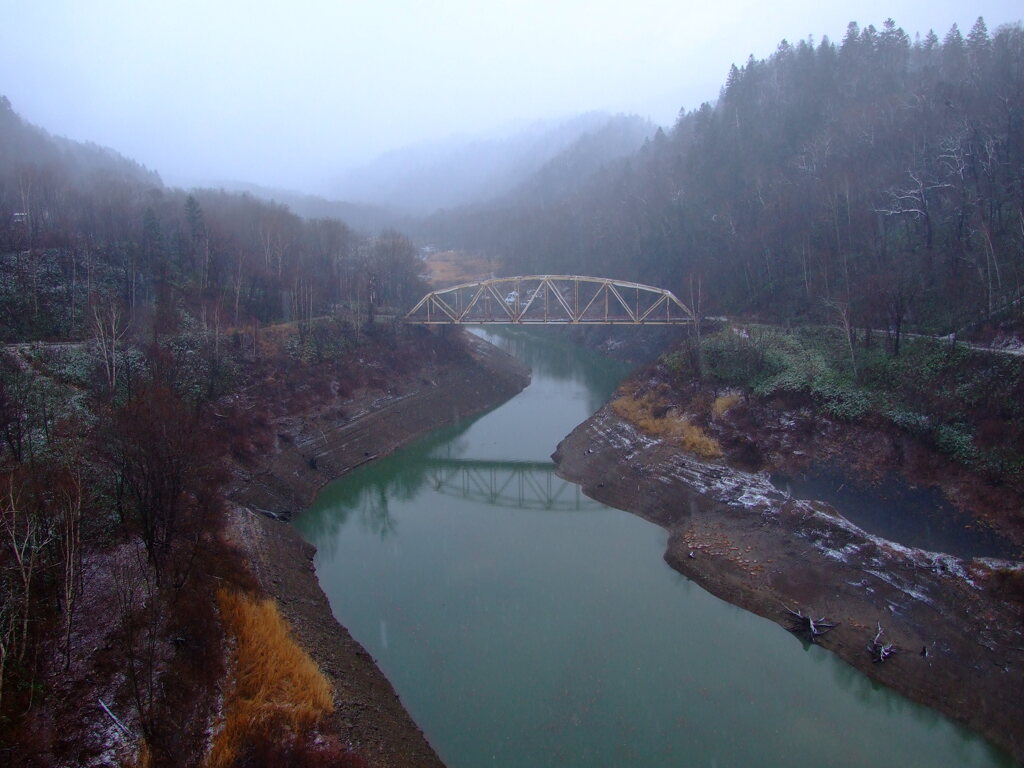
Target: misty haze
521 384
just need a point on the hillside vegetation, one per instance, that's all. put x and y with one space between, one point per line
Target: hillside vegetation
964 403
879 172
150 338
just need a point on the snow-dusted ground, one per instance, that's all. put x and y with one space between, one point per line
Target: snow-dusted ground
744 540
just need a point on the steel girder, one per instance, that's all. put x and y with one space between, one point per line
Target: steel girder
550 299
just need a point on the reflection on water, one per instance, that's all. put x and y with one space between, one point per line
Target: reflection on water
505 484
508 484
523 630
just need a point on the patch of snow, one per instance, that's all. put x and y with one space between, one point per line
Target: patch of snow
996 563
826 529
906 589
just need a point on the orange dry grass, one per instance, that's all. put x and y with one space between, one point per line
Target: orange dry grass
277 685
451 267
670 426
724 402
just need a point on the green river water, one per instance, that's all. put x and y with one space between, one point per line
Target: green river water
525 625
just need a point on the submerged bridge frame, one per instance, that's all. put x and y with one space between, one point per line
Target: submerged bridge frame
550 300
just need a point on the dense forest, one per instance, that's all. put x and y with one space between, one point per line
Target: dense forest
83 230
150 337
881 173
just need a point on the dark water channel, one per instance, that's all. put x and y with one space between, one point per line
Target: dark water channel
914 516
526 625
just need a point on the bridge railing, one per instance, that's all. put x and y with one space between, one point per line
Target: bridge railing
550 299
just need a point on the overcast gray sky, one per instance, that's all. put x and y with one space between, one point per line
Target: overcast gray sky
286 93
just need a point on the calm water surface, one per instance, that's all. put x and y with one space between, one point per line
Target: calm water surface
523 624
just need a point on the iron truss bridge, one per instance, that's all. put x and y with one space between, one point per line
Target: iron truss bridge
511 484
551 300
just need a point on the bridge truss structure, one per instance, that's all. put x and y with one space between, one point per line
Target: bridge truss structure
550 300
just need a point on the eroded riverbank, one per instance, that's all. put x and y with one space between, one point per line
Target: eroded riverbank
736 535
524 624
319 445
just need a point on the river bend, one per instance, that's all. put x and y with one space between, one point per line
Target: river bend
524 624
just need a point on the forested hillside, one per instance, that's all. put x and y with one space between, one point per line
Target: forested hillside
882 173
83 230
142 355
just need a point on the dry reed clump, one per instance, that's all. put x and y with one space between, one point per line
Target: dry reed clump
277 687
654 418
450 267
724 402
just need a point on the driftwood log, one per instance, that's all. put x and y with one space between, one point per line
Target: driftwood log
808 627
881 651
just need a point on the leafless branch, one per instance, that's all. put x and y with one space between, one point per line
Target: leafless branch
808 627
881 651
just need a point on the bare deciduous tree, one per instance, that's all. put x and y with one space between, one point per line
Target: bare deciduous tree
842 310
24 535
69 525
108 331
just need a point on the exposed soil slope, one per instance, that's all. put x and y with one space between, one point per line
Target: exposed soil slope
335 435
314 447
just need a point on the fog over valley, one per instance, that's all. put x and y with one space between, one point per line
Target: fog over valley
306 95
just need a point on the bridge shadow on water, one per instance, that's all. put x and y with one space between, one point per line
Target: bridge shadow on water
367 495
504 466
508 484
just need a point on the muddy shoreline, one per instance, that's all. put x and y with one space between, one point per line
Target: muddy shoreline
961 641
314 448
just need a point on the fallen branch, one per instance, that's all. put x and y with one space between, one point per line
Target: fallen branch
880 651
121 726
807 626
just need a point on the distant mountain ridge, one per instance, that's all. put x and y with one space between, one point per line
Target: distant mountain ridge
572 168
429 177
877 174
362 217
22 143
